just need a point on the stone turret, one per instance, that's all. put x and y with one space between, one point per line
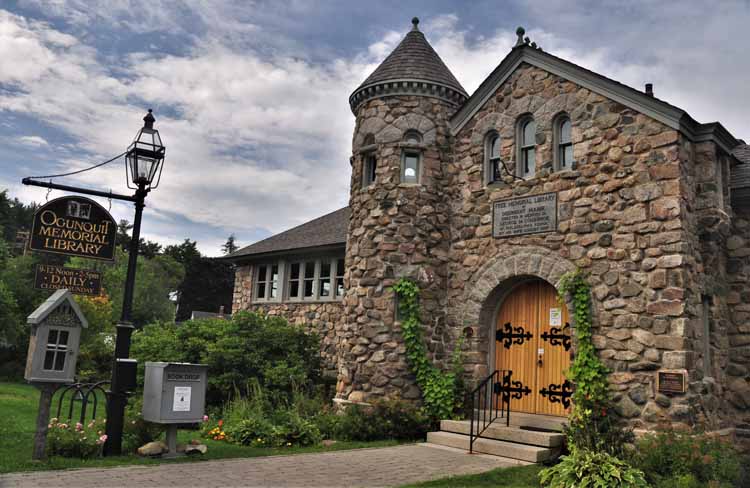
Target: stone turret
399 221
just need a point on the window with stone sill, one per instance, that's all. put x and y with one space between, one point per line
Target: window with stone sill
563 143
411 158
369 162
492 160
526 143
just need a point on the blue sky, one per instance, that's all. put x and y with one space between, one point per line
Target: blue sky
251 97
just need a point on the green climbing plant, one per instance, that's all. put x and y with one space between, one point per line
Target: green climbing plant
442 391
591 425
596 439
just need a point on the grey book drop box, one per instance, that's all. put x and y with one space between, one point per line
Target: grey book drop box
174 393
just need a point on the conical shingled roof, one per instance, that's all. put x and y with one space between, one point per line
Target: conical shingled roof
414 59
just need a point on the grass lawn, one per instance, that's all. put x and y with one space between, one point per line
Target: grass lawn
18 409
519 477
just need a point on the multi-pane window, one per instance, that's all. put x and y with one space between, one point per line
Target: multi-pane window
267 282
564 145
527 152
492 156
57 348
370 166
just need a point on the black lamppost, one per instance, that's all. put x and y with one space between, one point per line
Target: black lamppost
143 170
143 167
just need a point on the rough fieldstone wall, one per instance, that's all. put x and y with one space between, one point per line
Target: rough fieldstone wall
322 318
621 219
396 230
708 223
738 301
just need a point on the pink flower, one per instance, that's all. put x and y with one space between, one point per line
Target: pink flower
79 426
205 418
102 439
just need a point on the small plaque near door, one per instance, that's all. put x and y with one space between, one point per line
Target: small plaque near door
671 381
555 317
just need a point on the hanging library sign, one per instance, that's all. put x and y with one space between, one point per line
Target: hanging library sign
75 226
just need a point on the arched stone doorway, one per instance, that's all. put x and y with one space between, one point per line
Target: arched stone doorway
521 270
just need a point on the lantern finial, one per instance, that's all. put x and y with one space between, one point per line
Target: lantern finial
148 120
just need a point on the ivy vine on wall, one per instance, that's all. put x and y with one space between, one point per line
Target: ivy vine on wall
442 391
591 426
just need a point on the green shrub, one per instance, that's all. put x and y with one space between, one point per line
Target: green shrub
589 469
389 419
281 356
137 431
681 481
670 454
84 441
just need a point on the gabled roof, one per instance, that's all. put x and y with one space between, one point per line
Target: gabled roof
660 110
57 299
326 231
411 67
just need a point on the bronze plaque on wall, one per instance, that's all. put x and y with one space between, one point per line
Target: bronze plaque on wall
75 226
78 281
525 215
671 381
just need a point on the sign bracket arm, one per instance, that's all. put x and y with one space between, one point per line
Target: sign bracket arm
84 191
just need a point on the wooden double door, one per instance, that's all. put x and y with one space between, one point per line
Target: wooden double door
533 340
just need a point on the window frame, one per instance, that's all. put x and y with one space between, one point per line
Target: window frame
268 282
559 145
492 172
286 278
369 168
415 153
523 150
56 350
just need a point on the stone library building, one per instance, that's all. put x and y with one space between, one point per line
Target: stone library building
486 200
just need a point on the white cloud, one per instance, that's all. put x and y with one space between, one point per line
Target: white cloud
33 141
260 139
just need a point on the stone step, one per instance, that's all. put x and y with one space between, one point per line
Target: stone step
532 454
498 431
518 419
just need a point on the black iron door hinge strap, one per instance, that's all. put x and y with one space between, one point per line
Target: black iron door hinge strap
512 335
558 393
557 336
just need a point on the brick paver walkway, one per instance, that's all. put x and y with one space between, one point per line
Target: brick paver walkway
389 466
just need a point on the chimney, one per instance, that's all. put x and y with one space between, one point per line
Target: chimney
650 89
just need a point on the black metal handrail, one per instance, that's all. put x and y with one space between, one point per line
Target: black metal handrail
492 392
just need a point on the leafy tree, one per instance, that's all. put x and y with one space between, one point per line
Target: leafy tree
122 238
208 283
148 249
230 246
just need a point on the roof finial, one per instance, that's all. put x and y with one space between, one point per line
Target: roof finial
415 23
520 32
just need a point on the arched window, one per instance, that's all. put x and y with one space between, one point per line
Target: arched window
492 157
369 161
412 136
411 158
527 148
563 144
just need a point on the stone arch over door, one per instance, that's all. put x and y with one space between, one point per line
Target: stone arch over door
492 283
